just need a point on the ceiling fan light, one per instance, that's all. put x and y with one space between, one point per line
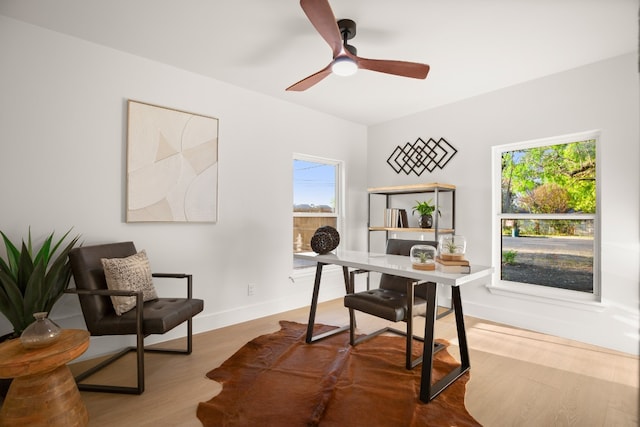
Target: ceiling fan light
344 66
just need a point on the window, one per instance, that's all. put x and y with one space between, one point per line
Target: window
546 239
316 200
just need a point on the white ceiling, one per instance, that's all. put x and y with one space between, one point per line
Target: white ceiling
472 46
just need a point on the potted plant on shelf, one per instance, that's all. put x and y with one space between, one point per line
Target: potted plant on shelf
32 281
425 209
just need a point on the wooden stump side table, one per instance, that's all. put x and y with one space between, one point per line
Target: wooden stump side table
43 391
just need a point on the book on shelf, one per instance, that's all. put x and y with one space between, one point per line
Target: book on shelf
395 218
404 221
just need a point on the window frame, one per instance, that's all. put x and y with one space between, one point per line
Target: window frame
533 291
338 213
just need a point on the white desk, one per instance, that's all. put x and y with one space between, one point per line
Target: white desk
398 265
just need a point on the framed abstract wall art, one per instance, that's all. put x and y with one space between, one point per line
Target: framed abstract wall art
172 165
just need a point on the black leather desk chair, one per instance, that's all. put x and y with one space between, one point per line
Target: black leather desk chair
390 301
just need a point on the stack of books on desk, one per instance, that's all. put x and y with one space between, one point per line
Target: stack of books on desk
457 266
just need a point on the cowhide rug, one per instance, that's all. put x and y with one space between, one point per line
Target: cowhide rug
279 380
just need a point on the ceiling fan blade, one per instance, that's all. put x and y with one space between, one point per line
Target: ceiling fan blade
321 16
307 82
399 68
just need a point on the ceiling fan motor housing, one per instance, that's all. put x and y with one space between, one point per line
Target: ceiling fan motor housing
347 28
348 31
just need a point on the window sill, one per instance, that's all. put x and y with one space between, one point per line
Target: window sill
560 297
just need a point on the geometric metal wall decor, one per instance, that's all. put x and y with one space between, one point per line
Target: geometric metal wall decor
421 155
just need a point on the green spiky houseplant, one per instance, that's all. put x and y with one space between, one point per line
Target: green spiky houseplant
32 282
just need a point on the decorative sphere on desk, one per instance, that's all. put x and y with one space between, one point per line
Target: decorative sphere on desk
335 236
325 239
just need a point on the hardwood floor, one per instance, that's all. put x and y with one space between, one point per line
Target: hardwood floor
518 377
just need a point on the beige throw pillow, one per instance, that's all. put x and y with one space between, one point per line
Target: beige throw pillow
132 273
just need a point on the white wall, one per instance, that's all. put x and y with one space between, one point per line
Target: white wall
63 139
601 96
62 165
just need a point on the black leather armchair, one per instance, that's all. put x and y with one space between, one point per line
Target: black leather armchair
157 316
391 301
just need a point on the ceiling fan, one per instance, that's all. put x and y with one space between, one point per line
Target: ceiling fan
345 57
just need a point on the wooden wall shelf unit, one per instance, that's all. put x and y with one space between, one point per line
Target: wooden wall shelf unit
435 188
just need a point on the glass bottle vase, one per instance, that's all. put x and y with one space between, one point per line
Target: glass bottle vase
40 333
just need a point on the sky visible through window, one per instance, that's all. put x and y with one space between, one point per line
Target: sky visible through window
313 183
